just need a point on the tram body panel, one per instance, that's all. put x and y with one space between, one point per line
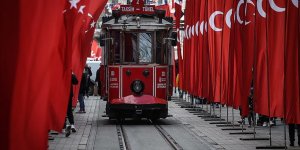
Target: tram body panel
131 73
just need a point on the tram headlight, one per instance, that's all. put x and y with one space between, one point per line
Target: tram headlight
137 87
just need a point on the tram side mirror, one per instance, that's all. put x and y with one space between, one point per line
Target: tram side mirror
174 38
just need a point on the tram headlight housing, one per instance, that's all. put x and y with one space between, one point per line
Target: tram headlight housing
137 87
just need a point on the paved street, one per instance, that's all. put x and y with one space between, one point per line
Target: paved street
189 130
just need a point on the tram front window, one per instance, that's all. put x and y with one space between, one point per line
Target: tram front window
138 48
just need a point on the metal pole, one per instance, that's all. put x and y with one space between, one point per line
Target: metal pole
227 113
232 118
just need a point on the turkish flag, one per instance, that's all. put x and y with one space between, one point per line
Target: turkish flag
291 64
260 99
206 78
228 15
178 14
83 30
193 48
27 57
216 17
200 39
186 48
275 56
236 55
247 36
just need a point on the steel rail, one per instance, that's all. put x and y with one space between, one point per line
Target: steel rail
171 141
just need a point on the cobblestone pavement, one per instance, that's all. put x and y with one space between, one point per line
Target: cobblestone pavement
88 128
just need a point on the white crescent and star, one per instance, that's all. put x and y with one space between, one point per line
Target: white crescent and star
91 16
212 21
73 3
178 35
186 31
193 30
190 32
260 8
228 16
238 11
81 9
93 24
197 28
275 7
296 3
201 27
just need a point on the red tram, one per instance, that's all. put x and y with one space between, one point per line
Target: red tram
136 74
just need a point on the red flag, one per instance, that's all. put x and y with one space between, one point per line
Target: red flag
165 7
215 14
178 14
236 54
200 30
84 29
260 64
186 48
247 54
275 56
27 93
206 79
291 88
228 15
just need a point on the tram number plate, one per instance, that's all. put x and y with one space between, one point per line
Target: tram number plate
139 111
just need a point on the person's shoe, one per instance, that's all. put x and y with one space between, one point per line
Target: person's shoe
68 131
79 112
292 144
73 128
265 124
83 111
272 123
241 121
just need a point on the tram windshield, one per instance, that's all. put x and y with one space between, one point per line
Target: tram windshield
138 48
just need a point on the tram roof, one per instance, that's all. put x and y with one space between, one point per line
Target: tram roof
130 23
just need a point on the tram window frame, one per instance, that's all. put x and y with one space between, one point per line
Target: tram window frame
137 56
162 49
112 49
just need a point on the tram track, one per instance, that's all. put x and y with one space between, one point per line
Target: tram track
171 141
124 143
122 137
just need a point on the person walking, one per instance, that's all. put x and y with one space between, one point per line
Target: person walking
98 81
82 92
68 129
292 128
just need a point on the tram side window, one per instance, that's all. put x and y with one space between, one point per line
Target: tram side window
115 48
161 53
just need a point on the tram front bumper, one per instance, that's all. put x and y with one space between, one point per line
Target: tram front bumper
141 111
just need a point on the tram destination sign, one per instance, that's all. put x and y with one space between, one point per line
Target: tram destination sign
137 9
